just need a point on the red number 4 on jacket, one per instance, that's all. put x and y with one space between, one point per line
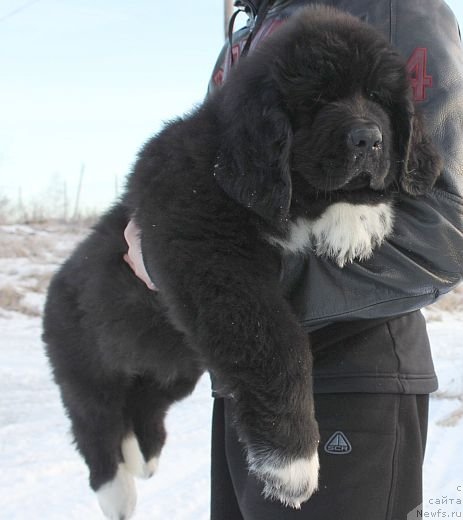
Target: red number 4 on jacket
420 80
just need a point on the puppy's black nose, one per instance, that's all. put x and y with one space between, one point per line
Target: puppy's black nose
365 138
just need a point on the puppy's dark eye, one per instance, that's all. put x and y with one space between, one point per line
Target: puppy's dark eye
374 96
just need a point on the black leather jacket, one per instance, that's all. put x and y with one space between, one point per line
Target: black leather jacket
424 258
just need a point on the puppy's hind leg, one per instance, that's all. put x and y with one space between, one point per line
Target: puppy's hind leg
146 407
98 425
117 498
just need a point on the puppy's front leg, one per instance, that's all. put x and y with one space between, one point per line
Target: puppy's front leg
262 358
248 337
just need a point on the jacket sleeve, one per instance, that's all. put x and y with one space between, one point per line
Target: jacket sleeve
424 258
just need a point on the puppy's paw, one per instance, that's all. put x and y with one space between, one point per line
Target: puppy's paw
346 232
118 497
134 460
292 482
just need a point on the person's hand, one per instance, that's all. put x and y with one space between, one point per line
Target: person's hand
134 257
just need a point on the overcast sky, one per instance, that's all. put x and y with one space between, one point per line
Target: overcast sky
88 81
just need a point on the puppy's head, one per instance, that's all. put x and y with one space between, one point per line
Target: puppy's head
325 98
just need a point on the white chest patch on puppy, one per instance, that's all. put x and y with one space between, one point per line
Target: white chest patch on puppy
298 238
344 232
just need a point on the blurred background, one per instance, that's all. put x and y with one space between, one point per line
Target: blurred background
84 83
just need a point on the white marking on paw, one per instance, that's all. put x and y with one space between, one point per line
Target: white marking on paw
151 467
291 483
345 232
118 497
134 460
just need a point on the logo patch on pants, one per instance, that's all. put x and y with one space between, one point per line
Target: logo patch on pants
338 444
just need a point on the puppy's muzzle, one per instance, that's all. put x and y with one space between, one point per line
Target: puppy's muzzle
365 140
365 143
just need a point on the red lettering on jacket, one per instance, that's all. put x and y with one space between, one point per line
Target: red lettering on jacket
223 69
420 79
416 65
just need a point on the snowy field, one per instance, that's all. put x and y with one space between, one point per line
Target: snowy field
42 477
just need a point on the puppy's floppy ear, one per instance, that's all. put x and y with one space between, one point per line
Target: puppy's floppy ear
252 166
422 163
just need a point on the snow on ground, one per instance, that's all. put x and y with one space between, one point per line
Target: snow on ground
43 477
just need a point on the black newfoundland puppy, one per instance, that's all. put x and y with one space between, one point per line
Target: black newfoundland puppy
301 149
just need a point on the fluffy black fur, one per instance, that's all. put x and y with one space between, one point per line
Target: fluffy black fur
320 113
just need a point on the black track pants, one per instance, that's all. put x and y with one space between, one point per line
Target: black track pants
371 455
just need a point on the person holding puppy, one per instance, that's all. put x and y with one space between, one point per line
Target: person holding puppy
373 370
